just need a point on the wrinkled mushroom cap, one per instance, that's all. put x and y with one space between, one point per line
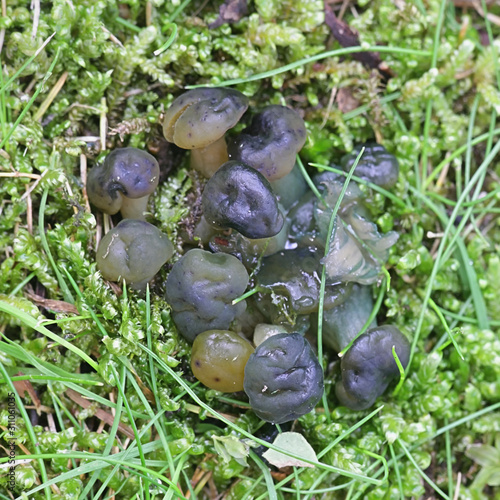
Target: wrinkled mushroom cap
125 173
369 366
271 142
200 289
201 116
283 378
134 251
376 165
239 197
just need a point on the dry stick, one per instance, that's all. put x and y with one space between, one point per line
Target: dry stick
112 37
20 174
100 413
29 211
50 97
35 7
83 176
103 124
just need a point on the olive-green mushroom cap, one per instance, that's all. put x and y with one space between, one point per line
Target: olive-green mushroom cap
126 175
200 290
218 359
201 116
271 143
239 197
376 165
369 366
283 378
134 251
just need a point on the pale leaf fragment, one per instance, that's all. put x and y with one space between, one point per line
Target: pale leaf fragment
294 443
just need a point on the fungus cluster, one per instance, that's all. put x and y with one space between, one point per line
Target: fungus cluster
135 250
262 227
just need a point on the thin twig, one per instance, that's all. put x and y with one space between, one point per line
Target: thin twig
333 93
35 7
50 97
112 37
83 176
20 174
29 211
103 124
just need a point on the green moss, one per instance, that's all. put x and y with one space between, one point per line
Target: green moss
427 112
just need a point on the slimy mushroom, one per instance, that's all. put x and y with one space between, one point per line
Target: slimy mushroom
198 119
133 251
369 366
124 182
200 289
239 197
283 378
218 359
376 165
271 143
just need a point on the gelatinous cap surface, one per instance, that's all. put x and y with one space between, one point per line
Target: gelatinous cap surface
283 378
134 251
369 366
125 173
239 197
218 359
200 116
271 142
200 290
376 165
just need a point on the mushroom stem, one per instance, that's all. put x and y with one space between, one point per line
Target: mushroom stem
207 160
134 208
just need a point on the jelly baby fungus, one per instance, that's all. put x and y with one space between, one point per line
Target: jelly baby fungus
357 250
134 251
239 197
376 165
218 359
283 378
369 366
200 289
263 331
198 119
124 182
296 275
343 322
249 251
271 143
290 188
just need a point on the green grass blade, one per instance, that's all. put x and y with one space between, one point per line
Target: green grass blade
31 322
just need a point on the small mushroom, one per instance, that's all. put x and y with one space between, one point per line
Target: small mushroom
218 359
271 143
198 119
369 366
344 321
290 188
200 290
376 165
134 251
283 378
124 182
239 197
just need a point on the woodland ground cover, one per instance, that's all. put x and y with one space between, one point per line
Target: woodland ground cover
104 400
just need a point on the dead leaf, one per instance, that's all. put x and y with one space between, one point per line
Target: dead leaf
101 414
345 100
23 386
58 306
349 38
231 11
